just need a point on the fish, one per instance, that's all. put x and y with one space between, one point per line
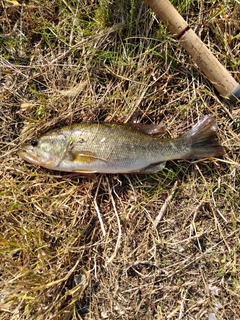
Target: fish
119 148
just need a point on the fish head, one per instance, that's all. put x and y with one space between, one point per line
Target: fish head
48 151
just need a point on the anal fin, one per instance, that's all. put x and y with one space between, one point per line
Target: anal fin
152 168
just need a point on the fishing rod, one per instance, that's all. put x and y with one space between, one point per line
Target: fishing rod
220 77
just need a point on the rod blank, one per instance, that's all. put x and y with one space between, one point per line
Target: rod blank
219 76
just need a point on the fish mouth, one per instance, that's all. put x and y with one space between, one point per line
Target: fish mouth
29 155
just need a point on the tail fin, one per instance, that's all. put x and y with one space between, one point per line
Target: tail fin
203 139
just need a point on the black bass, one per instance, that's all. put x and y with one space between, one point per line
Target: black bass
119 148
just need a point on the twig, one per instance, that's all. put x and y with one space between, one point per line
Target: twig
119 225
97 208
164 207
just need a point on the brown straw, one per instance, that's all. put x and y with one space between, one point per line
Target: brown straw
222 80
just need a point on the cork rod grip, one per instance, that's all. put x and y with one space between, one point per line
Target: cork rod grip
222 80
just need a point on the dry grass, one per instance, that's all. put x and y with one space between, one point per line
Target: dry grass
71 61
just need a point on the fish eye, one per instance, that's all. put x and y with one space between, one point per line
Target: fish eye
34 142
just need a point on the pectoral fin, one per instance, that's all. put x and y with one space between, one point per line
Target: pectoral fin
155 167
83 156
